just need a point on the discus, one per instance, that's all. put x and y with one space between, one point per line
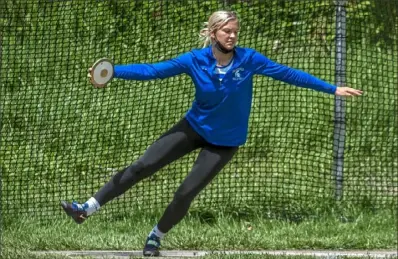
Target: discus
101 72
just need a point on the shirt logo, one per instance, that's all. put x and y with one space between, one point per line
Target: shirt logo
237 75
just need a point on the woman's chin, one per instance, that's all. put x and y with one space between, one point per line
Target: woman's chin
229 46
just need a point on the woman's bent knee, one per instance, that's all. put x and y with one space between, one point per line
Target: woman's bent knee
137 171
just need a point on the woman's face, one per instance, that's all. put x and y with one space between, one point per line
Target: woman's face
227 35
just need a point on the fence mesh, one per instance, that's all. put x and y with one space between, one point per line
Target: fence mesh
63 139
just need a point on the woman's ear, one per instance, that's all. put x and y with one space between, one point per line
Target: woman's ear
213 35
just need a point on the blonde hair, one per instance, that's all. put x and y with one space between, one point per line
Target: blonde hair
215 22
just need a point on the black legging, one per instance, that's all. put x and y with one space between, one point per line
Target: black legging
175 143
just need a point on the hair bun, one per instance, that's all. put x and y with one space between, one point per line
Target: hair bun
204 32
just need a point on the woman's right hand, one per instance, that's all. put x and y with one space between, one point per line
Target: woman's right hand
89 73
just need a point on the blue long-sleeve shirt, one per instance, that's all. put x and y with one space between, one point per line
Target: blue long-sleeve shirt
221 109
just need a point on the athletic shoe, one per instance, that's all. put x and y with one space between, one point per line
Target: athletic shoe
75 211
152 245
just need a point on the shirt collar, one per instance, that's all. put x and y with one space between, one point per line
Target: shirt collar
236 56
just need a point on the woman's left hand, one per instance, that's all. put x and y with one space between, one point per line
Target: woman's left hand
348 91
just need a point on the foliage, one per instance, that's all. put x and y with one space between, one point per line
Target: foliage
58 132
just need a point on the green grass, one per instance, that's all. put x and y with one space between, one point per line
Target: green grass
205 231
201 231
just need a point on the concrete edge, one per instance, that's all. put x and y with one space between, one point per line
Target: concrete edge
197 253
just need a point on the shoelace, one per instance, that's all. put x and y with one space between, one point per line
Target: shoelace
79 207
